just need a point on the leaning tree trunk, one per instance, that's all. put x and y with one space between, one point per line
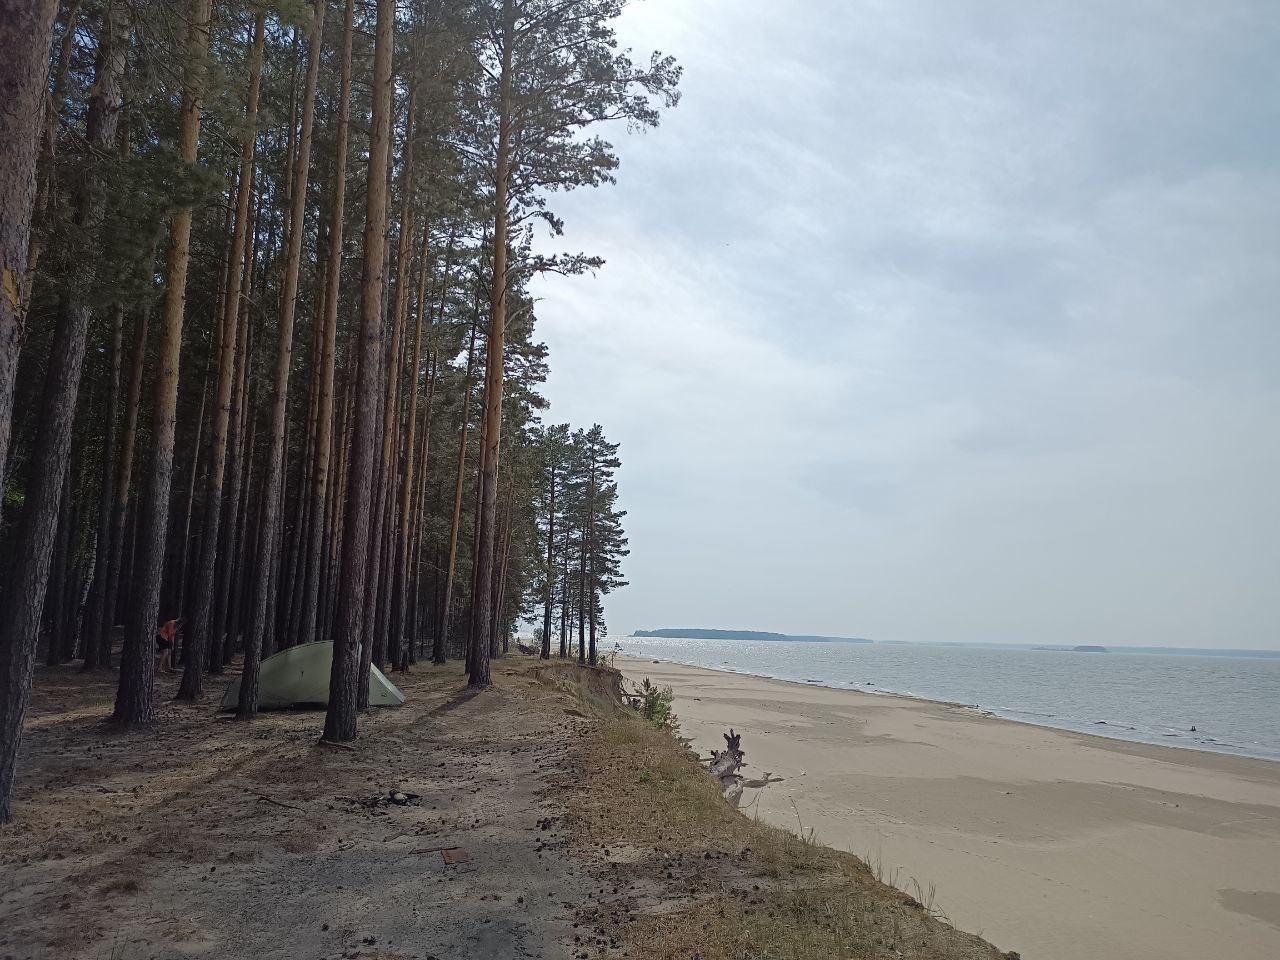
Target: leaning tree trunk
494 369
28 574
263 585
340 718
201 619
134 696
26 29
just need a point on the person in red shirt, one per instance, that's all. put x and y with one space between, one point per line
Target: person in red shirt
166 637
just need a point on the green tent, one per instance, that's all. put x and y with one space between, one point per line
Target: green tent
299 677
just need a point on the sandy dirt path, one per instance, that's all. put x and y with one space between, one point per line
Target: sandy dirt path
1057 845
210 838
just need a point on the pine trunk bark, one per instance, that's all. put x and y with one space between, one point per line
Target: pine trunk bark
26 30
28 575
328 334
446 604
263 587
45 170
551 568
582 603
199 624
185 542
101 657
399 565
480 674
564 595
591 566
344 679
60 588
92 634
228 558
229 606
134 696
386 500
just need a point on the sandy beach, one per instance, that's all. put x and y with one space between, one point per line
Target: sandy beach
1058 845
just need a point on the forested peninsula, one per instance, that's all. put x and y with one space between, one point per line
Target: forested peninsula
698 633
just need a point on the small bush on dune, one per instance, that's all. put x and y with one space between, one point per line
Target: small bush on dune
655 704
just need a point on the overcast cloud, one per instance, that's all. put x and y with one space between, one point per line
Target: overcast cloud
943 321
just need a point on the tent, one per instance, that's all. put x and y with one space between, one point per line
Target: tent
299 676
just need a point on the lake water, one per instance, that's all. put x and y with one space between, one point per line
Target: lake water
1232 701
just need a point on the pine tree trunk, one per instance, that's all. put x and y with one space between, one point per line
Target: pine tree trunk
564 596
248 707
503 647
28 574
404 510
60 575
313 570
93 626
26 29
338 502
380 574
446 605
200 622
582 603
135 697
551 568
212 653
496 645
185 542
227 609
45 171
344 680
369 640
101 656
494 366
591 564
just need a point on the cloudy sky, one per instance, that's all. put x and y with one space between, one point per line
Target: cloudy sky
943 321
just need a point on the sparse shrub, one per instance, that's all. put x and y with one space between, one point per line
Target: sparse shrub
655 703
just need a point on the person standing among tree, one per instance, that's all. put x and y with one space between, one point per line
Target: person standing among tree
166 639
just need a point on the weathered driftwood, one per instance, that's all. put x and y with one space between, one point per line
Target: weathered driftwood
725 766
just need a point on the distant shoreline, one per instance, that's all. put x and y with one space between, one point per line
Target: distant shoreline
701 633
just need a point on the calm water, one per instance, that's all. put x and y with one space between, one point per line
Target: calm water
1233 702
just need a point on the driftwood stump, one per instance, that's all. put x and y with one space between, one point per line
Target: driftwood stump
725 766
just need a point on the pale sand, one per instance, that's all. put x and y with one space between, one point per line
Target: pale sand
1058 845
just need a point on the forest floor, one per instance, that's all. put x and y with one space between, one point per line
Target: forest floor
578 831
